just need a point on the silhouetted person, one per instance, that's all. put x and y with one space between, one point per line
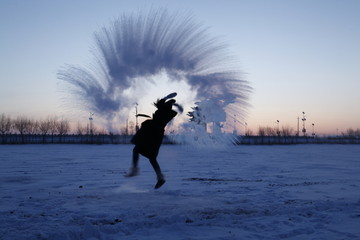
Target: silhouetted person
149 137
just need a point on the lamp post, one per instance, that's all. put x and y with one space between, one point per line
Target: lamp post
278 129
136 117
304 129
91 126
298 127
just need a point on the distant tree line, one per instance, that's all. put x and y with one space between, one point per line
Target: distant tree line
352 133
285 131
53 130
24 125
25 128
49 126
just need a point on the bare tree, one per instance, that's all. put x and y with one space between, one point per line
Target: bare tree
262 131
94 130
357 132
249 132
33 126
271 131
5 124
22 125
102 131
44 126
53 125
353 132
123 131
287 131
5 127
132 128
63 127
267 131
80 129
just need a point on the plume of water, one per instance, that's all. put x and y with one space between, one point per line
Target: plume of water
136 47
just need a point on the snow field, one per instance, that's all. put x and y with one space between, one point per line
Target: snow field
239 192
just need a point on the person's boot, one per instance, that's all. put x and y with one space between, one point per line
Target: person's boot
161 181
133 172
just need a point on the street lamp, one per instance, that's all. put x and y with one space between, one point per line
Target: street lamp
136 117
278 129
304 129
91 119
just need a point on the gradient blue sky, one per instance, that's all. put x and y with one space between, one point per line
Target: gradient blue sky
297 55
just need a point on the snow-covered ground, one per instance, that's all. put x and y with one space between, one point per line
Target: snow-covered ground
241 192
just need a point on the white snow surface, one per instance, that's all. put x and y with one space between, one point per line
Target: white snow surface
240 192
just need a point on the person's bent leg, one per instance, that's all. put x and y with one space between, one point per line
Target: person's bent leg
160 176
135 159
156 167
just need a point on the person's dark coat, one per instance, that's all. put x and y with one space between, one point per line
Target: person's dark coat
151 133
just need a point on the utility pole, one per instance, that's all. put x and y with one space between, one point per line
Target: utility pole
298 127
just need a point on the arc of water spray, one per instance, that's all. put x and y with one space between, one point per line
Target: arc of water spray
145 44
